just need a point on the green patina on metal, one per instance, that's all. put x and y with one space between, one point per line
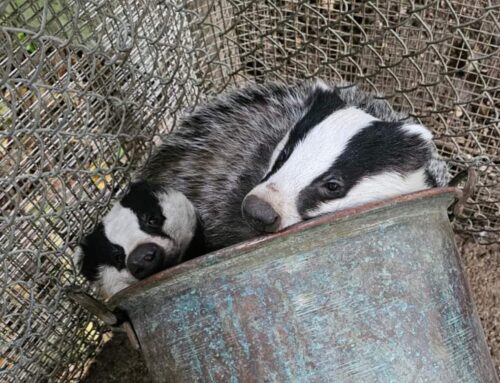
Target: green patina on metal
374 294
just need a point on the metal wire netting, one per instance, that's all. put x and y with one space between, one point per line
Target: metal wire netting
87 87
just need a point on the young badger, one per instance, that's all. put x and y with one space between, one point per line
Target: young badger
257 160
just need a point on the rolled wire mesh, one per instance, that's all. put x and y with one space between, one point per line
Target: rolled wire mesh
88 87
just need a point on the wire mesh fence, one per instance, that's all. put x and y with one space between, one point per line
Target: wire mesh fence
88 87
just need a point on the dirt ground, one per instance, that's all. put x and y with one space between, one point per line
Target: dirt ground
482 265
118 362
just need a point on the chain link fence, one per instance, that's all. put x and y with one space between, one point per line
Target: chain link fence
88 86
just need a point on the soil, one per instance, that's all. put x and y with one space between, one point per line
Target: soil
482 266
119 363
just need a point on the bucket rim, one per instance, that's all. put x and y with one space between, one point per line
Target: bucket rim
221 255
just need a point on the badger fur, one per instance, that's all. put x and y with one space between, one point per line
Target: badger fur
264 157
150 229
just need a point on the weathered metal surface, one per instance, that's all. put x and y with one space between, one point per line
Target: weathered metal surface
374 294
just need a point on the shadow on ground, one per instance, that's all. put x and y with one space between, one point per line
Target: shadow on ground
118 362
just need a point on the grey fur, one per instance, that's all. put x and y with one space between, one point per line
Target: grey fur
221 150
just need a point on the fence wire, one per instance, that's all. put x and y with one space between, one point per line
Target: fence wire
88 87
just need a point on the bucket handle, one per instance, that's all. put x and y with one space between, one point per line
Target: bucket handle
117 320
464 194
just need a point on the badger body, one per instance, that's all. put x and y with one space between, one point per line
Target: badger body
224 148
221 150
256 160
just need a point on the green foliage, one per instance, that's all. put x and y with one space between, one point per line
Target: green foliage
29 46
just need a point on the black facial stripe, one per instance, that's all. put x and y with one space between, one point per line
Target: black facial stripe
197 246
98 251
430 179
322 104
380 147
141 199
154 230
311 197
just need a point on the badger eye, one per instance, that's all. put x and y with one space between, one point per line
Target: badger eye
153 221
333 188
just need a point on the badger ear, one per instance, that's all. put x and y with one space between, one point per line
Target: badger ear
418 129
82 259
78 259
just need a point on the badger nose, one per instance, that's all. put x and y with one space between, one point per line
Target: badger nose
145 260
260 214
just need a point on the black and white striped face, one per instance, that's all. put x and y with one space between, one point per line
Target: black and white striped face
149 230
334 158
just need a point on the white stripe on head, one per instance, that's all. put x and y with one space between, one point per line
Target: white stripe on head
180 217
375 188
311 157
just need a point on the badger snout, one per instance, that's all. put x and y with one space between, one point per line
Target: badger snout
260 214
146 259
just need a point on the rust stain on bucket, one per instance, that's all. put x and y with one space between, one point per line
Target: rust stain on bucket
372 294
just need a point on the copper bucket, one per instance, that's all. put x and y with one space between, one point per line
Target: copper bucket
371 294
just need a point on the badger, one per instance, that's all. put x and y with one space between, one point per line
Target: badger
256 160
150 229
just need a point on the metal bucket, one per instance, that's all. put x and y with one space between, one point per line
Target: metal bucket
372 294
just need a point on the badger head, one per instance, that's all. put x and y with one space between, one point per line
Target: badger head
339 156
149 230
